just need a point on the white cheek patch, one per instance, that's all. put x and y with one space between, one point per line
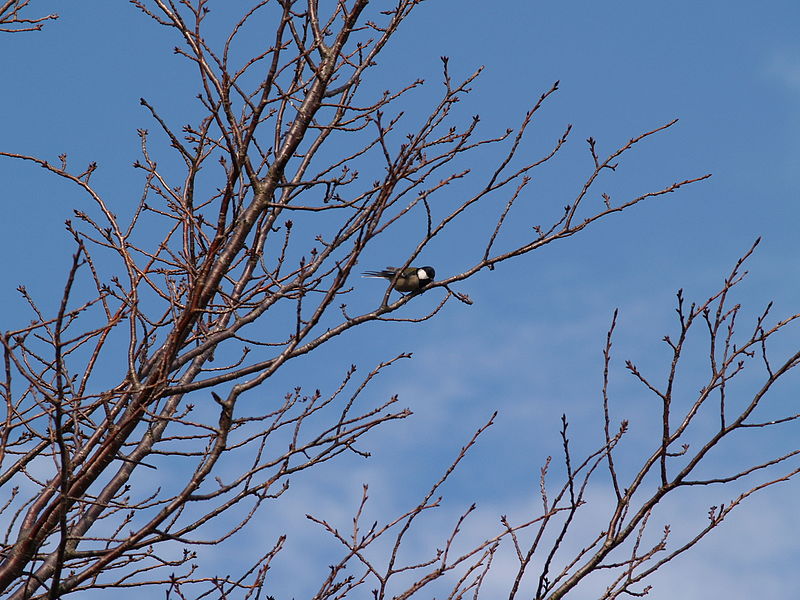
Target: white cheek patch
422 274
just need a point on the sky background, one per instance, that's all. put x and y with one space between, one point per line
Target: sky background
530 347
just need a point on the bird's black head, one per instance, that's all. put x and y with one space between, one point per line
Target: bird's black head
429 274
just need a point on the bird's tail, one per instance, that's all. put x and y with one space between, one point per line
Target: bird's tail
385 274
378 274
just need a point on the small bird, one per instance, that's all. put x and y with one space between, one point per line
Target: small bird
412 279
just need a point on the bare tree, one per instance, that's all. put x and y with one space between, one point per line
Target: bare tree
240 260
12 19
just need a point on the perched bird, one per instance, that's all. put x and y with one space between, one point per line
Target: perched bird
412 279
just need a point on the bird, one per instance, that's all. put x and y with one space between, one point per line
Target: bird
411 279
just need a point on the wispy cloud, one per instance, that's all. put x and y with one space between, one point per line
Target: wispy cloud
784 67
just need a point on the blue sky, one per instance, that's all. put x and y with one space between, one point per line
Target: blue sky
531 344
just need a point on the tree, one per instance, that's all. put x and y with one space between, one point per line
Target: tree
12 19
240 258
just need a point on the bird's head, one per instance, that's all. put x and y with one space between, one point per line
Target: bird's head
426 274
